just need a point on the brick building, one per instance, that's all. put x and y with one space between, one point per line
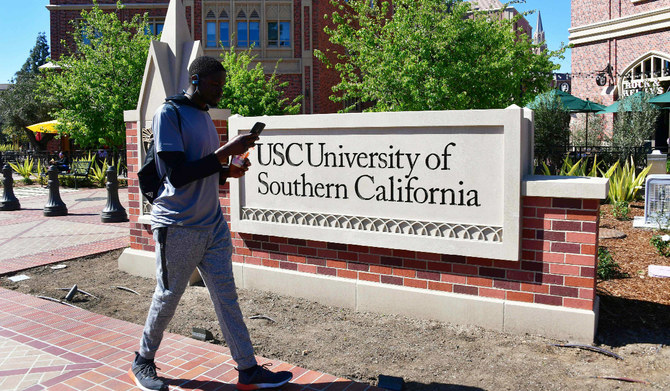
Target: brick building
289 30
621 47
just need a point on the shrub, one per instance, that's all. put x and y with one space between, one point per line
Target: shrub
621 210
662 244
25 170
635 122
249 92
607 266
68 181
578 168
98 174
552 129
42 177
624 183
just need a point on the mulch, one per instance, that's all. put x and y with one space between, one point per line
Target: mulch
633 304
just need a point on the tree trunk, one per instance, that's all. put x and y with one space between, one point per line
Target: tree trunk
42 144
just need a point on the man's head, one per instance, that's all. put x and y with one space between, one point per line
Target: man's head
207 79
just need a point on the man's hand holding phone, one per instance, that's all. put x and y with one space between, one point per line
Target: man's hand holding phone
241 159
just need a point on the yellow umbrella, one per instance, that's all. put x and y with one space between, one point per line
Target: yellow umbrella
45 127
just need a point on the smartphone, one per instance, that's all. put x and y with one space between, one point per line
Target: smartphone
258 128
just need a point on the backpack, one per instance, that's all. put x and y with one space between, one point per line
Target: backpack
149 180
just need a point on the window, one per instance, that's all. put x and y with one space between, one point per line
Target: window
86 35
248 29
248 33
224 34
279 34
216 28
154 27
211 34
242 34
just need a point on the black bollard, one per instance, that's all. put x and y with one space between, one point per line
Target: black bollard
9 200
114 212
55 206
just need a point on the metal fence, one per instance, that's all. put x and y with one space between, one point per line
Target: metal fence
98 157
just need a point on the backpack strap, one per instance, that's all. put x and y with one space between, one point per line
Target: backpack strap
176 110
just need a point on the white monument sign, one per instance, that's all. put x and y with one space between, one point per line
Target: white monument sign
439 181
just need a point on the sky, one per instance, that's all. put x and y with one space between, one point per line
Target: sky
21 21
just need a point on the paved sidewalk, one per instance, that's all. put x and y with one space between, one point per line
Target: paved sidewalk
50 346
28 239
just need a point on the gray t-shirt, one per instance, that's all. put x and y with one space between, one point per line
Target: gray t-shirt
195 204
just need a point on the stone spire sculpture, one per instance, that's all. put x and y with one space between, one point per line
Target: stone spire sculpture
166 70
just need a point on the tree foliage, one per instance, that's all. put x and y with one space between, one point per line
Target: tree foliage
19 106
635 122
597 131
249 92
39 55
432 55
552 129
100 77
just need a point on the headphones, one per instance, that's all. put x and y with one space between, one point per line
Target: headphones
195 81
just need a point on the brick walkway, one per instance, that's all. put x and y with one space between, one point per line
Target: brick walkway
28 239
50 346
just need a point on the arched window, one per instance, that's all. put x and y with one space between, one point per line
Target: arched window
248 28
650 72
217 28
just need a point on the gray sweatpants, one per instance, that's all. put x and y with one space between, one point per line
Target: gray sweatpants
179 250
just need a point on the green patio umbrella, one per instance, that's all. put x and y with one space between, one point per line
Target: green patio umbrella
576 105
627 105
662 100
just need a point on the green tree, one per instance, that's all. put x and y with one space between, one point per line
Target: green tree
19 106
635 122
249 92
552 129
39 55
432 55
597 132
100 77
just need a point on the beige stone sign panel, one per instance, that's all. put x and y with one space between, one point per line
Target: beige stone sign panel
439 181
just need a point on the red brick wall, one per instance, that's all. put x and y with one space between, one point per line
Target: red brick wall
620 53
141 237
557 265
61 26
588 11
324 78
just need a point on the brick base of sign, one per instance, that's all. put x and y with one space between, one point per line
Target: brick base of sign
550 290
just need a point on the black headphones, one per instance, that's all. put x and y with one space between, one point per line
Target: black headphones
195 81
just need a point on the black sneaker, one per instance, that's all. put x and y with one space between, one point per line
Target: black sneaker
260 377
144 376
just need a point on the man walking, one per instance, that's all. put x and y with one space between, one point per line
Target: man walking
189 228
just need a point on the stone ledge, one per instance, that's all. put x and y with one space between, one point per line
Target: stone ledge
501 315
564 187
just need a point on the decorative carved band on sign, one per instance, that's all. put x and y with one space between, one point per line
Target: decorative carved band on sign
376 224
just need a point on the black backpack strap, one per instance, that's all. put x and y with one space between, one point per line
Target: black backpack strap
176 110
